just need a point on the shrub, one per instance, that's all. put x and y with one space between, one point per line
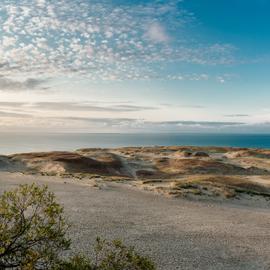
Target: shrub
116 256
109 256
78 262
32 228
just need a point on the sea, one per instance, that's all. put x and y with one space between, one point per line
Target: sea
15 142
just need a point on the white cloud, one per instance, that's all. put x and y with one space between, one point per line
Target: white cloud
98 40
41 3
157 33
190 77
225 78
221 79
8 41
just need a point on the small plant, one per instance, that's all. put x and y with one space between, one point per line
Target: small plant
32 228
116 256
78 262
109 256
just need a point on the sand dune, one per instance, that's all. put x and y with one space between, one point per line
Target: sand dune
67 162
209 172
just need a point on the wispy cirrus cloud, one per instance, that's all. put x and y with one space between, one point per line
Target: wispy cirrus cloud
237 115
84 106
74 107
7 114
78 123
8 84
79 115
190 106
197 123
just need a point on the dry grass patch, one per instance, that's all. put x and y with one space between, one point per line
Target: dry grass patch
199 166
224 186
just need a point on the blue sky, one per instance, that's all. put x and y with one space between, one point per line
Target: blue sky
135 66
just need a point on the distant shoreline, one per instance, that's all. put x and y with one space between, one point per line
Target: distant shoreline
11 143
203 148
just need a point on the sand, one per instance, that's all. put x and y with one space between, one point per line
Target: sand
176 233
202 172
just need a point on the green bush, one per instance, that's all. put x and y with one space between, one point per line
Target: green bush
33 237
78 262
32 228
109 256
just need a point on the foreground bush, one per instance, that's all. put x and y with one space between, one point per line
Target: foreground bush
33 236
109 256
32 228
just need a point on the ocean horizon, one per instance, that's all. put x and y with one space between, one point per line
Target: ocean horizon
11 143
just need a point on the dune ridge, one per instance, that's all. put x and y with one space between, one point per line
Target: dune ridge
201 172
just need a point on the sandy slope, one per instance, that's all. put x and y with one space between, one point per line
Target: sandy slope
176 233
203 172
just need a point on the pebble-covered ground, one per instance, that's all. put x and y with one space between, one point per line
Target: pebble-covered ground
176 233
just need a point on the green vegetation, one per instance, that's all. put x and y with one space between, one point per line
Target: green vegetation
33 237
32 228
109 256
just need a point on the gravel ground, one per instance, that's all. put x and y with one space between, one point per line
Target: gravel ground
176 233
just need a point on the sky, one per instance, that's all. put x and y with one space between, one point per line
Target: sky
135 66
